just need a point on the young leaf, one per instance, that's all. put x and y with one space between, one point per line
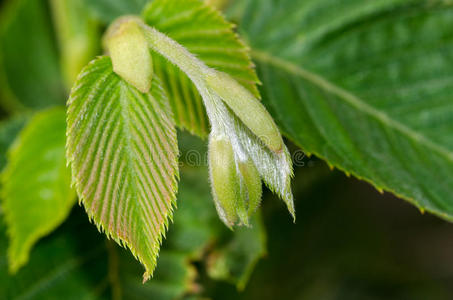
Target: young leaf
29 73
204 32
123 152
373 100
36 184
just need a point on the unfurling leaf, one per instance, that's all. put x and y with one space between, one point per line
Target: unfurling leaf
236 185
36 184
224 180
272 162
252 186
123 152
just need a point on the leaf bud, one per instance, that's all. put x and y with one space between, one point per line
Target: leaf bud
253 186
128 49
237 187
224 179
249 109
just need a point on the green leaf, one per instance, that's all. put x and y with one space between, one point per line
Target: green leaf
29 70
366 85
75 262
204 32
123 152
273 166
197 235
36 190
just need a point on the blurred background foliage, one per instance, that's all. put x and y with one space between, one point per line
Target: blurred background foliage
349 241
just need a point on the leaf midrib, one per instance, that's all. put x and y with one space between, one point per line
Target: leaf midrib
131 156
351 99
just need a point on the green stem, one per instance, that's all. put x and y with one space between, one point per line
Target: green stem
196 70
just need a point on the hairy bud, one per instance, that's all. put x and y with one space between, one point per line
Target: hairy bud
253 186
249 109
128 49
236 187
224 179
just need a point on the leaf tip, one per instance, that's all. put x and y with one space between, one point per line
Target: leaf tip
146 276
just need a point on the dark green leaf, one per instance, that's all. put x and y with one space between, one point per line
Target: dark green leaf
366 85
